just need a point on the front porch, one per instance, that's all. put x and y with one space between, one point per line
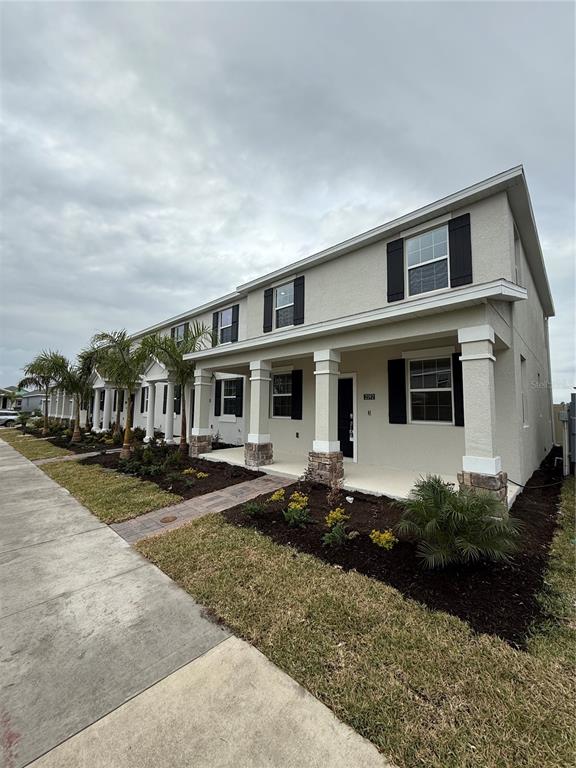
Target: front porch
358 478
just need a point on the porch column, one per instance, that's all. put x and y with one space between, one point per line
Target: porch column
151 411
481 467
107 409
258 449
63 406
200 436
96 413
325 460
189 411
169 416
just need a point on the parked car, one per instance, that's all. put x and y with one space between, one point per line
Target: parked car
8 418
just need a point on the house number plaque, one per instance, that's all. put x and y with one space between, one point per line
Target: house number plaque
369 396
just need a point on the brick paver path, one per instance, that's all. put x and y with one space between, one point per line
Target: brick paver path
217 501
74 456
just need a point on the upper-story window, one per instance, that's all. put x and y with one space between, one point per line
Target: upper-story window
225 326
427 261
178 332
284 305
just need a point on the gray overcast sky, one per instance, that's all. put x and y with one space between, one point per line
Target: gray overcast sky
157 155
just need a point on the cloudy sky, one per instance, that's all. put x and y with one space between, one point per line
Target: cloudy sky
157 155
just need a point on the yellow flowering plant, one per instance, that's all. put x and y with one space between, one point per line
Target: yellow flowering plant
298 500
384 539
278 495
336 516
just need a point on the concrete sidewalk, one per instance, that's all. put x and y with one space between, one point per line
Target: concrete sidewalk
104 661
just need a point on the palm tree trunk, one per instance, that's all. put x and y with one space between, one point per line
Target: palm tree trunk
183 425
127 445
76 435
45 429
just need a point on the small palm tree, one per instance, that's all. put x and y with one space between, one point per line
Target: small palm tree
169 352
86 365
75 379
122 361
461 526
42 373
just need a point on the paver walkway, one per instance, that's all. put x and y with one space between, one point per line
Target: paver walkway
217 501
106 663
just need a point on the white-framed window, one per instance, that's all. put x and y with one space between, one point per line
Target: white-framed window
282 395
430 389
225 326
178 332
524 386
229 392
427 261
284 305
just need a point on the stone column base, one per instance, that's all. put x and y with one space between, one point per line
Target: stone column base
200 444
495 484
326 468
258 454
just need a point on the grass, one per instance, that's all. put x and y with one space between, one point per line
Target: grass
31 447
419 684
112 497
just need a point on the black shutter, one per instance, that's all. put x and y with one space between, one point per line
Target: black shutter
218 398
397 391
215 318
268 309
395 270
458 390
239 402
177 399
296 395
121 395
143 398
115 400
235 314
165 398
460 251
299 300
172 332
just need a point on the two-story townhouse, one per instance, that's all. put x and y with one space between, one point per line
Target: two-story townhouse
420 346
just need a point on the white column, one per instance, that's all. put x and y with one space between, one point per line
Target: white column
479 400
169 419
96 412
260 377
189 413
63 405
327 369
202 388
107 417
151 411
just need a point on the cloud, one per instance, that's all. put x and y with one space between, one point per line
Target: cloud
155 155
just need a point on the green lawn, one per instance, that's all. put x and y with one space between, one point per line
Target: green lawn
112 497
418 683
31 447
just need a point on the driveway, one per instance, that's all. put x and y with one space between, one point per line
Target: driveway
104 655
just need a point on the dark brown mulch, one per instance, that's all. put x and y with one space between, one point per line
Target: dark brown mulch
492 598
220 475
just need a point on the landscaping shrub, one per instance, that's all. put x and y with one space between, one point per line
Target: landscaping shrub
461 526
278 495
337 536
297 512
336 516
384 539
254 508
138 434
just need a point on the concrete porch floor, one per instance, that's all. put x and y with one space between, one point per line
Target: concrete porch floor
366 478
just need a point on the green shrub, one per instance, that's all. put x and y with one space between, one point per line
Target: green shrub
254 508
138 434
337 536
461 526
297 515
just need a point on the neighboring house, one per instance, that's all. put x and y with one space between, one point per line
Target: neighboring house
11 398
418 347
32 401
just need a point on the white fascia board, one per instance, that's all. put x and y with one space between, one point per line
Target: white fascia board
498 290
469 195
189 315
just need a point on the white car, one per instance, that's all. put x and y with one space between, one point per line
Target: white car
8 418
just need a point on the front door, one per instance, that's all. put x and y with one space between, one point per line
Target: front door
346 416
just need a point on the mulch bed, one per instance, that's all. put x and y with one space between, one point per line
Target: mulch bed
220 475
493 598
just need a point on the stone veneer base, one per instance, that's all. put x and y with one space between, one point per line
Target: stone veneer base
495 484
258 454
327 468
200 444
